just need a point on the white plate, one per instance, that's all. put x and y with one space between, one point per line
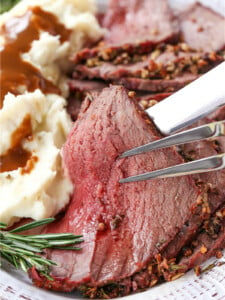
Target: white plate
15 285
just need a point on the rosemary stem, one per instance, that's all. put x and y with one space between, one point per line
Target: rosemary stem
23 251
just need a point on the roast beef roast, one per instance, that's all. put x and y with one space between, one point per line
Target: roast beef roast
124 226
137 234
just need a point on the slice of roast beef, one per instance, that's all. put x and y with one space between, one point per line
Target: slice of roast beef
129 21
170 63
203 29
123 225
156 85
133 27
123 53
80 88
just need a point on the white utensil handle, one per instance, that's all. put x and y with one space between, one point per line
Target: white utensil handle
191 103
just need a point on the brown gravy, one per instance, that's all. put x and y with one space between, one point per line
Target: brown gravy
19 33
17 157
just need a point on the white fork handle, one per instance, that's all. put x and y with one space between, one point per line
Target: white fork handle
191 103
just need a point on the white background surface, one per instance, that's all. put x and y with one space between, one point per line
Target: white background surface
15 285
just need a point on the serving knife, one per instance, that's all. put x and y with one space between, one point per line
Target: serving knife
183 108
191 103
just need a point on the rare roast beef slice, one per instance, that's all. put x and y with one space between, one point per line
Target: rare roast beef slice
171 63
104 52
123 225
129 21
203 29
134 26
80 88
156 85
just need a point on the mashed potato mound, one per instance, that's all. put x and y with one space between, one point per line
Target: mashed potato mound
46 189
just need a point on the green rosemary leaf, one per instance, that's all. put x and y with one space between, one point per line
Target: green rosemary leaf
13 238
61 242
21 237
3 244
57 236
23 264
6 5
44 261
2 225
9 258
46 275
15 262
41 246
7 250
61 245
32 225
67 248
38 265
55 243
26 246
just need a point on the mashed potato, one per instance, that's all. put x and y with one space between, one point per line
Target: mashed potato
45 189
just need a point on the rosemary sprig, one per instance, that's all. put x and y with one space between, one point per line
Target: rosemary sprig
7 5
23 251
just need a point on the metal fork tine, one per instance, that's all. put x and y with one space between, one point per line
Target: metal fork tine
208 164
202 132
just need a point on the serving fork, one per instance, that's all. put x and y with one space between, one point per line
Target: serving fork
182 109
